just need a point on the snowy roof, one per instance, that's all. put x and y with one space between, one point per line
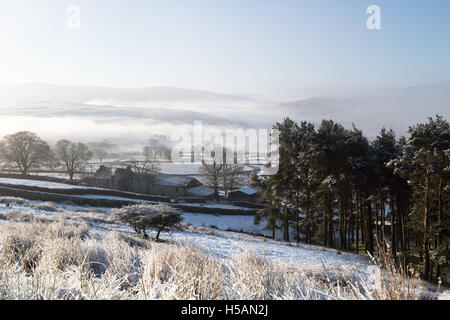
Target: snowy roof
201 191
103 172
172 180
247 190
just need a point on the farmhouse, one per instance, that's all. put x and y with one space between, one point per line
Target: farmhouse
103 177
169 185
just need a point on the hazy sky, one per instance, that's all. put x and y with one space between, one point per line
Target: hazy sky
239 46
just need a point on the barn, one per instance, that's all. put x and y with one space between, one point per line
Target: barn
169 185
247 194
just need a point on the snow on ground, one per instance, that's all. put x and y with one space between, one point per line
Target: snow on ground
240 223
310 258
215 205
106 197
42 184
224 222
187 168
179 168
27 209
248 190
445 295
59 175
225 244
57 185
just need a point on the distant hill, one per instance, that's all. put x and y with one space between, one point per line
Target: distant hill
129 115
35 92
370 109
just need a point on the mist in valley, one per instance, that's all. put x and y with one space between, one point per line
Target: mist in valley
127 117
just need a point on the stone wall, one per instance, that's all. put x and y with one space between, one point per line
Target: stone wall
109 203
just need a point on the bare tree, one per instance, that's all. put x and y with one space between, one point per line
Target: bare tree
148 152
136 165
99 154
149 165
159 146
73 155
230 175
26 150
101 150
220 171
212 169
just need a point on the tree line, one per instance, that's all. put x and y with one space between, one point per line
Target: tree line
26 151
336 188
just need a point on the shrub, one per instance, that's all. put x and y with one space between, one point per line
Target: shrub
46 206
16 215
143 216
9 202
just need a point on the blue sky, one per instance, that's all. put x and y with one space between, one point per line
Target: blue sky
234 46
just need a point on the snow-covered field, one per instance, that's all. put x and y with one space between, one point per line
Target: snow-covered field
58 175
179 168
226 243
42 184
237 223
214 205
209 233
186 168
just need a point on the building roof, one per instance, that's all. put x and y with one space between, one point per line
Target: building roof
103 172
171 180
160 179
246 190
200 191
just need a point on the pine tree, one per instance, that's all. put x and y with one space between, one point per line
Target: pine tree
337 186
305 182
423 162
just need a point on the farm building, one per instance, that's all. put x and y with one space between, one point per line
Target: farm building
155 184
247 194
201 192
103 178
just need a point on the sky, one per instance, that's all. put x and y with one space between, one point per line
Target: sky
256 47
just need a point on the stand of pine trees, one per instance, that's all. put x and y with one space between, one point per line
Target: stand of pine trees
335 187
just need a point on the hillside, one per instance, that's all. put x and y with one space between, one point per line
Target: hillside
116 259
